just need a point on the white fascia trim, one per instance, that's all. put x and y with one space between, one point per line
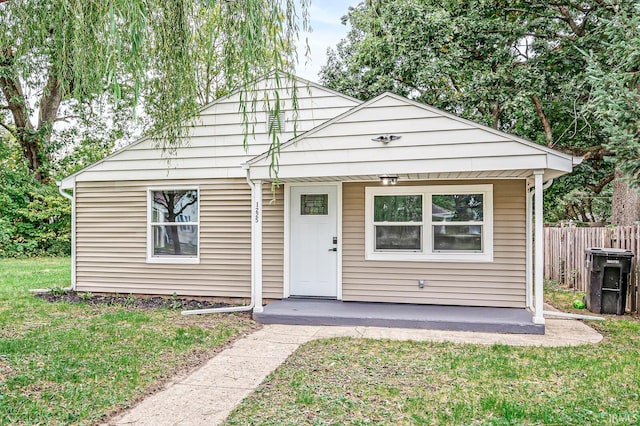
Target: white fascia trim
171 259
426 255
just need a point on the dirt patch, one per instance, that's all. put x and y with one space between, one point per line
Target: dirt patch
152 302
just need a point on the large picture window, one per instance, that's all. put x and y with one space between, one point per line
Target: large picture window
174 222
440 223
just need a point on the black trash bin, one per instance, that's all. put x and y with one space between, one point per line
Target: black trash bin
609 270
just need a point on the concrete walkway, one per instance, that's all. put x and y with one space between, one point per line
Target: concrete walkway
208 394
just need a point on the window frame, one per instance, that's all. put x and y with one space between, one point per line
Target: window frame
427 253
175 259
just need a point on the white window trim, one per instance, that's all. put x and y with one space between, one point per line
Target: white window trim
427 241
170 259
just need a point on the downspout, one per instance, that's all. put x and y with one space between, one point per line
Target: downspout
256 219
73 229
529 244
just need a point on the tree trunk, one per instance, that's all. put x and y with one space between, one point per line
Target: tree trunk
625 206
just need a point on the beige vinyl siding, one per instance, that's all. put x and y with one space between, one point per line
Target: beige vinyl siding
111 240
499 283
272 242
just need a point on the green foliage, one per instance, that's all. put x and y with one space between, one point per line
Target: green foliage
34 218
518 66
614 74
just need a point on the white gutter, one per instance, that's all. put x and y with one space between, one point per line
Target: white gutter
73 229
256 255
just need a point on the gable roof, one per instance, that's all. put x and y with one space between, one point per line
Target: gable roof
214 145
431 143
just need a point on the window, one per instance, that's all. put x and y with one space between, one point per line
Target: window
174 225
457 227
397 220
314 204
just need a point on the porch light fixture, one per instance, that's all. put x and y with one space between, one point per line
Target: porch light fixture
388 180
385 139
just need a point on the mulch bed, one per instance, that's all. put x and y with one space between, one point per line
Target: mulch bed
150 302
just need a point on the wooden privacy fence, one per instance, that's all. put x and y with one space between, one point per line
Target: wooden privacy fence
565 254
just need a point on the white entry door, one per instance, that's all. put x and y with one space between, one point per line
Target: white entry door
313 241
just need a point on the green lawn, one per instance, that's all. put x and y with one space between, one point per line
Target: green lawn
357 381
73 364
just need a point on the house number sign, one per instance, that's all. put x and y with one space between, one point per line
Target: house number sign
257 212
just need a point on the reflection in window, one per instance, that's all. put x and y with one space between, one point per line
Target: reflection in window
175 222
314 204
398 237
457 207
397 208
466 213
398 222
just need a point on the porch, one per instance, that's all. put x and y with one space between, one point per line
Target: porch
394 315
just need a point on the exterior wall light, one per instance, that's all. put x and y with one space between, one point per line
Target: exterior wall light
388 180
385 139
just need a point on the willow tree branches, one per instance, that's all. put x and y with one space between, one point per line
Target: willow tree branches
150 53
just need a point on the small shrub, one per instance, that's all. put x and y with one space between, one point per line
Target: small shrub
58 291
86 296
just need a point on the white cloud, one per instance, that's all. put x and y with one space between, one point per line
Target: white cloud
327 31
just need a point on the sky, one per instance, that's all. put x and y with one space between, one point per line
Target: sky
327 31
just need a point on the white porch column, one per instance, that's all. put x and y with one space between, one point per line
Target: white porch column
529 249
538 317
256 246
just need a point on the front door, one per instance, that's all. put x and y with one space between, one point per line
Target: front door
313 241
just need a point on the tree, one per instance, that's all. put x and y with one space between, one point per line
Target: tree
57 57
517 66
34 219
615 78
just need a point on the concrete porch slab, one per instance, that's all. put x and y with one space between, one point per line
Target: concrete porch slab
398 315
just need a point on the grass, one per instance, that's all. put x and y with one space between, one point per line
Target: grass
358 382
66 363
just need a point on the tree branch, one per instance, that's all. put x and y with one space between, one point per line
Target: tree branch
578 29
597 152
184 207
597 188
50 101
12 91
543 118
8 129
66 117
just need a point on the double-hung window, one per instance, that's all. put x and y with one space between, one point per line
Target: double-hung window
421 223
173 232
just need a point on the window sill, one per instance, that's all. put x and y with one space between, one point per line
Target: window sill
435 257
174 260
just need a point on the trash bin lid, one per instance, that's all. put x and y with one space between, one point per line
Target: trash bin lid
609 252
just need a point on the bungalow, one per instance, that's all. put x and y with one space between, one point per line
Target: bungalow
387 200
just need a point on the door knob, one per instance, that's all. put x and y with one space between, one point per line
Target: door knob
333 249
